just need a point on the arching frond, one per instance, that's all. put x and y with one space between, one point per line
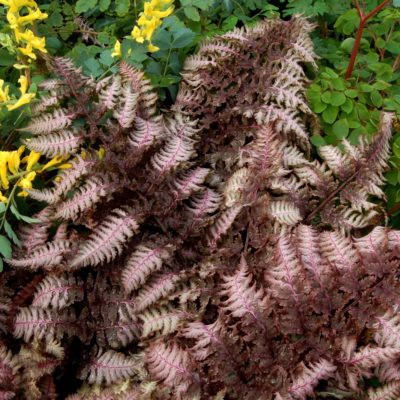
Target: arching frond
203 203
305 383
94 189
48 255
387 329
50 122
143 261
109 94
223 224
60 143
371 356
188 182
285 212
235 187
146 133
108 367
58 292
162 319
171 364
107 239
243 297
43 323
390 391
156 289
126 110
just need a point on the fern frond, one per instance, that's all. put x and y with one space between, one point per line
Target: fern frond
155 290
235 187
58 292
108 367
59 143
372 356
143 261
45 102
175 151
69 178
305 383
126 111
188 182
146 133
387 329
162 319
108 95
285 212
107 239
43 323
48 255
202 203
94 189
243 297
49 122
171 364
223 224
206 335
390 391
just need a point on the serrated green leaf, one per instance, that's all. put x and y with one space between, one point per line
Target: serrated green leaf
104 5
82 6
341 128
337 98
352 93
330 114
376 98
11 234
122 7
5 247
326 97
192 13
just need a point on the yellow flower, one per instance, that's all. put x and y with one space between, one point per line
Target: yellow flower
3 169
31 159
137 35
25 97
117 50
26 183
14 159
3 92
152 48
101 152
54 161
3 199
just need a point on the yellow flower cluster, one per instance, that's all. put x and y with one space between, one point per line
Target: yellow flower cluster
149 20
10 162
20 14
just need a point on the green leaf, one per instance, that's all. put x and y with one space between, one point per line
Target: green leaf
5 247
104 5
317 140
396 3
348 106
330 114
93 67
393 47
11 234
192 13
1 265
376 98
182 38
122 7
318 106
341 128
29 220
338 98
326 97
2 208
82 6
352 93
347 45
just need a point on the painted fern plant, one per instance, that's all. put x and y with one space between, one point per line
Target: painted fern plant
203 252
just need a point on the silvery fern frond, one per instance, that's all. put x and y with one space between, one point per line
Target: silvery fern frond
58 292
141 263
107 239
188 182
222 224
285 212
94 189
125 112
170 364
390 391
304 384
43 323
108 367
58 120
108 95
146 132
49 255
60 143
387 329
